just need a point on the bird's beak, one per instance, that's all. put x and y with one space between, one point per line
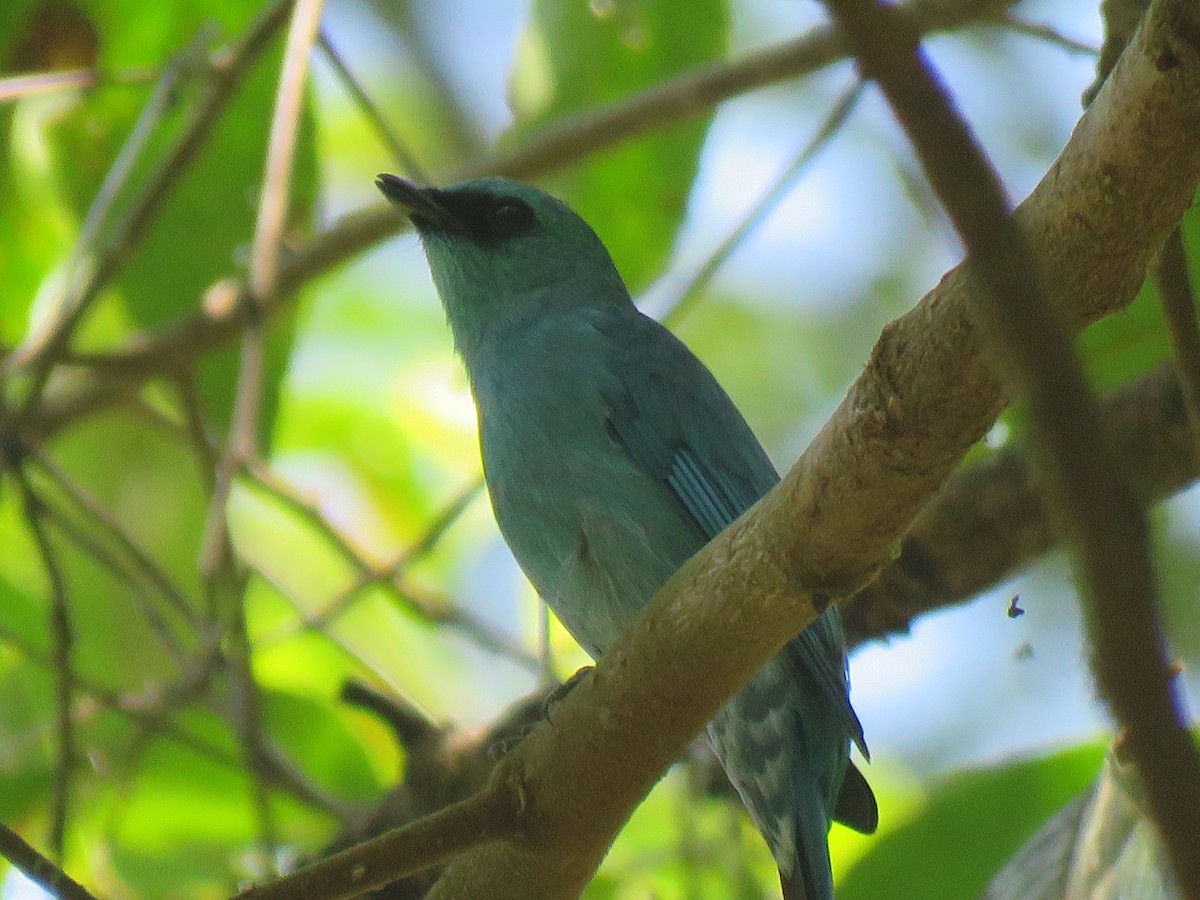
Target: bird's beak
421 204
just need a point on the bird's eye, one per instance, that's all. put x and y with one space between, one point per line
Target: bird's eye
510 218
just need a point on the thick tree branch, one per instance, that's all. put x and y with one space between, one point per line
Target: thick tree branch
990 519
987 521
928 393
1102 516
493 812
1093 225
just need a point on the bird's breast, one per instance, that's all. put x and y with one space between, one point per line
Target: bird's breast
592 531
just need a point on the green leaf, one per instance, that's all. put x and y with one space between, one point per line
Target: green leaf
180 824
1102 845
1122 346
316 733
973 822
26 710
207 223
577 56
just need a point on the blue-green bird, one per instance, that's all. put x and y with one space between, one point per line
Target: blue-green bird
611 456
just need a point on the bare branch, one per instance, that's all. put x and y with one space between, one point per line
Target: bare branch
62 640
226 584
39 354
96 549
490 814
139 557
281 148
990 520
38 869
370 575
401 153
187 62
678 304
697 91
1047 34
1179 311
31 84
928 392
264 266
1103 517
151 713
390 574
674 100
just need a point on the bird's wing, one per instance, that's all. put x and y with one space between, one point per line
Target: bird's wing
678 425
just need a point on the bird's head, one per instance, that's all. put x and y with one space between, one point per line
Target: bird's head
504 253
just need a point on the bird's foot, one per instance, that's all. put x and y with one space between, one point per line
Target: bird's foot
557 695
505 745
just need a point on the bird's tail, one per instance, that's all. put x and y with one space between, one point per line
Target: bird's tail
811 877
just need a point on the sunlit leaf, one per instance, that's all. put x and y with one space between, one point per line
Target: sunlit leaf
1101 846
577 56
977 819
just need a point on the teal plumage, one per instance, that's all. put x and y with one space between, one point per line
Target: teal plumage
612 455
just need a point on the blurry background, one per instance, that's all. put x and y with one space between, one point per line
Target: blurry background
980 725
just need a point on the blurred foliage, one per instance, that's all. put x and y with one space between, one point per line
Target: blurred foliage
367 436
1104 846
1119 347
978 819
574 57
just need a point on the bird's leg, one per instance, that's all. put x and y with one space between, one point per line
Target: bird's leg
556 695
505 744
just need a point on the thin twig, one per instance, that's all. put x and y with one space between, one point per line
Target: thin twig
685 96
696 91
62 642
247 717
31 84
680 303
205 450
401 153
490 814
281 149
278 771
464 135
1103 516
133 708
125 573
117 179
1048 34
218 564
264 269
369 575
389 575
39 354
91 506
38 869
151 714
1179 310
